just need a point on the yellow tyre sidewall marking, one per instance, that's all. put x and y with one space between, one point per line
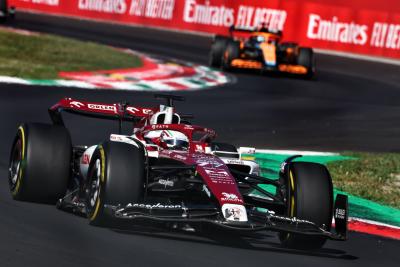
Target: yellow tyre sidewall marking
292 201
96 210
20 171
103 164
102 179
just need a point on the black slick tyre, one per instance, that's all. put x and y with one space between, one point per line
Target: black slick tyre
217 51
116 177
309 197
40 161
232 52
306 58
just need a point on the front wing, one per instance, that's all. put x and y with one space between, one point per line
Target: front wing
258 65
258 220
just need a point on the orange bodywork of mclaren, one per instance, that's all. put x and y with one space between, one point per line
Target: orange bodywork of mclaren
295 69
246 64
268 48
253 64
269 53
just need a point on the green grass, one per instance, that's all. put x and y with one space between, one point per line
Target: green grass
44 56
372 176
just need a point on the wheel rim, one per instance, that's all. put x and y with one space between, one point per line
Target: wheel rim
15 164
94 184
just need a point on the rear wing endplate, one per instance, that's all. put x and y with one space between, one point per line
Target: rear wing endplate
115 111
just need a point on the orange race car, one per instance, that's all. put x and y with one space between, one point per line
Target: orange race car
261 49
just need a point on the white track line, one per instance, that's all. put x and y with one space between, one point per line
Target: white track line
374 223
7 79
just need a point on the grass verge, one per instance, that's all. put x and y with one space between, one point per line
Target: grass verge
373 176
43 56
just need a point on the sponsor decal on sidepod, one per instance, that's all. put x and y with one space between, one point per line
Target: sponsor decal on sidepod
235 213
166 182
230 197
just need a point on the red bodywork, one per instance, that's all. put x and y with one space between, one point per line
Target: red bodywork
213 170
92 108
202 169
215 174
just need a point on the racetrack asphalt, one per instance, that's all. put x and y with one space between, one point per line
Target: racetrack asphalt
351 105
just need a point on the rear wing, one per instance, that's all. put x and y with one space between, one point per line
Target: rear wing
116 111
233 29
240 31
245 31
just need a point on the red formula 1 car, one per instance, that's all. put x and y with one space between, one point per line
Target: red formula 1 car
168 170
261 49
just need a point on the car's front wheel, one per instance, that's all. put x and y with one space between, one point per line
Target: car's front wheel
116 177
232 52
309 195
306 58
217 51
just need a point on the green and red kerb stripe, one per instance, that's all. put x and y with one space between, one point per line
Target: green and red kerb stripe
374 228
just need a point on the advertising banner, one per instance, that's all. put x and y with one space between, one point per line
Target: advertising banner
366 27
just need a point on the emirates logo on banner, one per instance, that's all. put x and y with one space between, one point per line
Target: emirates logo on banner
378 34
155 9
106 6
336 31
208 14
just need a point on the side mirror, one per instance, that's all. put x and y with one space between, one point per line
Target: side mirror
247 151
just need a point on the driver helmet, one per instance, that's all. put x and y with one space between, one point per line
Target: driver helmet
167 138
260 38
175 140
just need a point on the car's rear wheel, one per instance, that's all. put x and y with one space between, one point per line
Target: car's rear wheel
306 59
309 194
232 52
217 51
116 177
40 160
